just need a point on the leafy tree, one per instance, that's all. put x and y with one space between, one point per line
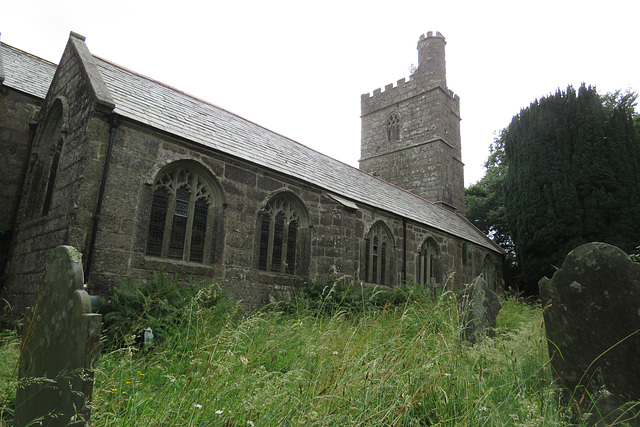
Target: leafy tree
486 209
485 199
573 177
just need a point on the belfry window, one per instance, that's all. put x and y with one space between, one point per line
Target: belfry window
279 237
377 251
181 213
428 263
393 127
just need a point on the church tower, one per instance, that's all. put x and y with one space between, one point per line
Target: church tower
411 131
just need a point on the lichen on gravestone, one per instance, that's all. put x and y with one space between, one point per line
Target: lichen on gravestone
593 329
60 347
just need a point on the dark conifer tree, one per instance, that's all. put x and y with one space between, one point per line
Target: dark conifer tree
573 177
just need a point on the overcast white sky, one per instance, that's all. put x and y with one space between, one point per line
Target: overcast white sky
299 67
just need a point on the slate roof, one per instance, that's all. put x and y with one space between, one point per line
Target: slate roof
25 72
155 104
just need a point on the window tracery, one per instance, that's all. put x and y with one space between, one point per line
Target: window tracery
427 263
393 127
279 229
377 247
181 213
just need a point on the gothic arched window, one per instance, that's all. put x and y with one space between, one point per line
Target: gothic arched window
393 127
428 263
280 225
377 255
181 213
44 162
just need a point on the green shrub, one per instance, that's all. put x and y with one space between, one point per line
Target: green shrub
158 304
345 295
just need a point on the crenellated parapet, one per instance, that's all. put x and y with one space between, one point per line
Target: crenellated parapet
402 89
429 75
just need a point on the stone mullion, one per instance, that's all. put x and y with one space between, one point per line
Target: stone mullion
379 279
285 246
429 259
187 235
421 274
370 261
272 228
168 224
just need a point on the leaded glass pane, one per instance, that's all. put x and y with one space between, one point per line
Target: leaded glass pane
383 264
375 260
291 248
198 231
179 226
276 259
157 222
367 252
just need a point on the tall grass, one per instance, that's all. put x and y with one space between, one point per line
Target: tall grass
298 364
322 361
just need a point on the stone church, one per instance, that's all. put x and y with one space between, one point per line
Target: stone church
141 177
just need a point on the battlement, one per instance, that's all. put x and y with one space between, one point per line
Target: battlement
430 34
386 89
400 84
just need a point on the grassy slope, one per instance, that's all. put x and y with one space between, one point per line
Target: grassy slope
402 365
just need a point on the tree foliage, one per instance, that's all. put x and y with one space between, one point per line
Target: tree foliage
571 176
486 208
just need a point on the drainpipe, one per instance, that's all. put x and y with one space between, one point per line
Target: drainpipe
404 250
113 125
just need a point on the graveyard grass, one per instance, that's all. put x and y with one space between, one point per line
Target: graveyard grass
322 361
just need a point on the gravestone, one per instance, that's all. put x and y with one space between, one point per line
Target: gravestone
478 307
592 320
59 349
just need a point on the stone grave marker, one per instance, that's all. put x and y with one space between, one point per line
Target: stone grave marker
60 347
478 306
592 320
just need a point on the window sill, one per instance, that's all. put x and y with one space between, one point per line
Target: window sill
178 266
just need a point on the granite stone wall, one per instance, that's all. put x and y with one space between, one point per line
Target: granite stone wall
74 192
17 110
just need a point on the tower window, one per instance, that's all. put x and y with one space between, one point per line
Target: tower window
393 127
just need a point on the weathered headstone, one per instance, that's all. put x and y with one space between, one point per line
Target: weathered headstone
592 320
478 306
60 348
